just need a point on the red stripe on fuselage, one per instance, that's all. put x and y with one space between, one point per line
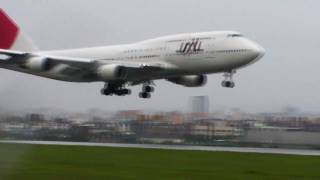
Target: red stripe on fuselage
8 31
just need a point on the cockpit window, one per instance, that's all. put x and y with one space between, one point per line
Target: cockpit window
235 35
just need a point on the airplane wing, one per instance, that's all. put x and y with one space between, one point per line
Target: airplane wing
72 66
16 57
153 66
12 53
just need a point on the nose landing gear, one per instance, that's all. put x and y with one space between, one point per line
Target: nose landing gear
228 82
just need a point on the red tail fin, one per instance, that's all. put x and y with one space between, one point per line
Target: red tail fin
11 37
8 31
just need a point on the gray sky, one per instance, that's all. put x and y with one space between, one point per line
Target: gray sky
287 29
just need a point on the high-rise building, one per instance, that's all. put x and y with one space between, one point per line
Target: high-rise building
199 104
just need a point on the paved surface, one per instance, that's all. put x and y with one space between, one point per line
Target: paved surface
178 147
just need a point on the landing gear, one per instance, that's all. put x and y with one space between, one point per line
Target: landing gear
122 92
115 89
228 82
119 89
147 89
144 95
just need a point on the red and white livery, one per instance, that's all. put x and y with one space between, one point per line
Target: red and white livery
183 59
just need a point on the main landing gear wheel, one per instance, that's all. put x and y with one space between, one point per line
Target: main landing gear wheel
228 82
146 91
144 95
123 92
115 89
106 92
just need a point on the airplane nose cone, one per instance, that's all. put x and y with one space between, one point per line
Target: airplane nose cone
258 52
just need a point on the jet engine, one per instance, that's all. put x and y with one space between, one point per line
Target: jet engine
37 64
190 80
111 72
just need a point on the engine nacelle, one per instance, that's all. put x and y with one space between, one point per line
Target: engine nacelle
190 80
111 72
37 64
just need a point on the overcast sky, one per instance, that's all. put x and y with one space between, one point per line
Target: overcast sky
287 29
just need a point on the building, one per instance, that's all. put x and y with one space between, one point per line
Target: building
199 104
214 129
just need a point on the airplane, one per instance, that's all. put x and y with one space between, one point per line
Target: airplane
184 59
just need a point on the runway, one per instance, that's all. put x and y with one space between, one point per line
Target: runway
178 147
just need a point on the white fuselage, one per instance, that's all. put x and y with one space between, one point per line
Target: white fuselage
214 52
183 54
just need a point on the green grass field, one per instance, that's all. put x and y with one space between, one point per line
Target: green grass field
46 162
